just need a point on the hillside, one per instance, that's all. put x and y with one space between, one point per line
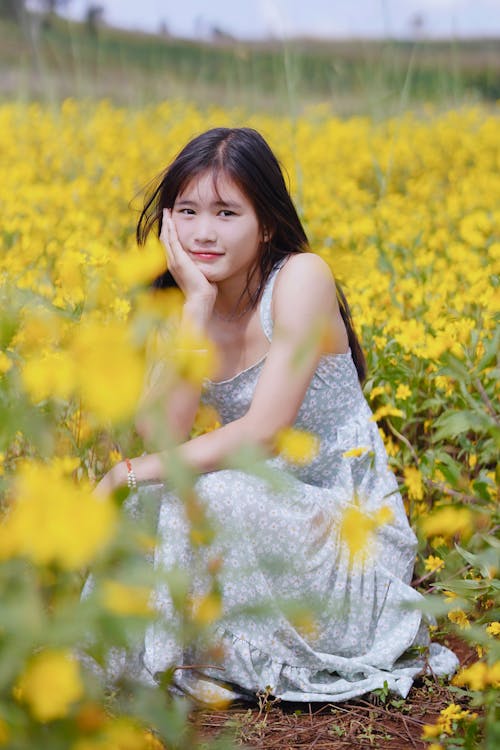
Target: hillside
65 59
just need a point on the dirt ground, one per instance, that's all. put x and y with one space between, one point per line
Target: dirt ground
385 724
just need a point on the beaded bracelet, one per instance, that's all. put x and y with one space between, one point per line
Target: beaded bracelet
131 477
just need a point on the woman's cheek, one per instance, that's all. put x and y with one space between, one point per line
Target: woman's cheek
181 234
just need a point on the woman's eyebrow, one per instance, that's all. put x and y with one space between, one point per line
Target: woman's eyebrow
185 202
218 204
227 204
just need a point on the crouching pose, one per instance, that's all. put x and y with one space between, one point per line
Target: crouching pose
288 358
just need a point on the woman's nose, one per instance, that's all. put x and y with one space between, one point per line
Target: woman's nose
205 229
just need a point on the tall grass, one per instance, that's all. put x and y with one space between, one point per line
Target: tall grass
354 76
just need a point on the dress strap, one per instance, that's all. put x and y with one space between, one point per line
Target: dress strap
266 317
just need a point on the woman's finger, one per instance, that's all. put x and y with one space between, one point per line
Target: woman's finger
166 238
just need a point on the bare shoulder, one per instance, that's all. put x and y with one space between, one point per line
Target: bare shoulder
307 265
305 279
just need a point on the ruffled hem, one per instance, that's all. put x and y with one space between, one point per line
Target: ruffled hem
248 668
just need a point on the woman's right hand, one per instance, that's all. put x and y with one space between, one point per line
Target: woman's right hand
199 292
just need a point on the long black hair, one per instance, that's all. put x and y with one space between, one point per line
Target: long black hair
244 156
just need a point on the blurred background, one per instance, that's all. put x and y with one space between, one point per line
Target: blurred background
373 57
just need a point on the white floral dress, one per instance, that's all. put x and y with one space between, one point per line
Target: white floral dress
283 552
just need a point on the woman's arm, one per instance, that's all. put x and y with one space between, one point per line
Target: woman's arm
306 315
304 303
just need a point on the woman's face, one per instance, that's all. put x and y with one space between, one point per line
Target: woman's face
218 227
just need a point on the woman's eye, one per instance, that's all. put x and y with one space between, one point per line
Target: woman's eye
186 211
226 212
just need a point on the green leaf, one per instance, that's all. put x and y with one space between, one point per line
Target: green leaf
491 349
451 470
454 423
454 367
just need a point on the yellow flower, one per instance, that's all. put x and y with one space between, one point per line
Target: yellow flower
5 363
4 733
49 374
494 675
207 609
124 599
475 677
433 564
297 446
115 456
493 628
119 734
447 522
53 520
50 684
153 743
357 529
429 731
438 541
386 411
194 356
377 391
207 419
355 452
139 266
449 715
459 617
110 369
413 481
403 392
306 625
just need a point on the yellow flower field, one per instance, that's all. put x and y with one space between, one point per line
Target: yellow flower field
407 214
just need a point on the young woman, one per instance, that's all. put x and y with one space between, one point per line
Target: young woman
288 357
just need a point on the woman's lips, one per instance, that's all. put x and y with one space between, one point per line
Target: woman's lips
205 255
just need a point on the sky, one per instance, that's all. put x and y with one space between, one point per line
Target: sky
322 18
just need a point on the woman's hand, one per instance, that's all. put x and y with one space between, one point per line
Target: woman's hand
115 477
150 467
196 287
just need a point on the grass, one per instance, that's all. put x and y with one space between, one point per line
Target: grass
51 62
383 723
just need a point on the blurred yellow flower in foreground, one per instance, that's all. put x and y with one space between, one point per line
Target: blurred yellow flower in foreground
53 520
447 522
477 677
49 374
193 356
4 733
297 446
50 684
123 599
355 452
119 734
207 609
206 420
413 481
358 528
5 363
110 369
